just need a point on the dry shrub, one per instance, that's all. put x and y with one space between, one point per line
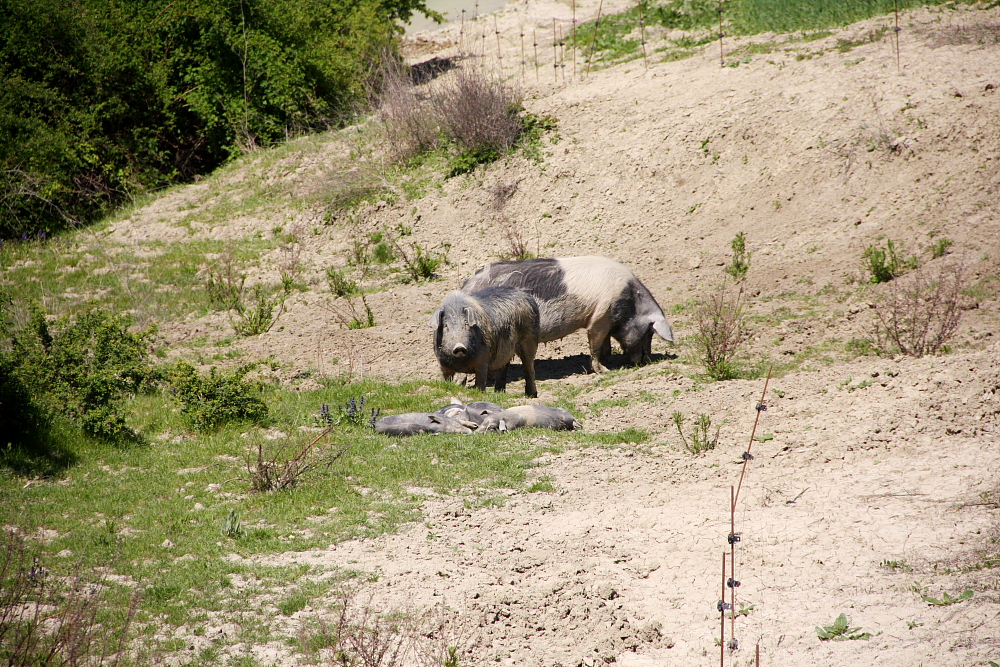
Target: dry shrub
517 246
478 110
920 315
722 331
406 116
357 634
46 621
282 467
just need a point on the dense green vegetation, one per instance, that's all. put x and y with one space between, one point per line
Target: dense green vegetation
101 100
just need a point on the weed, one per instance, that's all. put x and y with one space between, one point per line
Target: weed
517 247
940 248
700 439
884 264
232 526
253 313
215 399
920 316
840 631
740 263
722 331
381 246
947 599
340 284
351 412
421 264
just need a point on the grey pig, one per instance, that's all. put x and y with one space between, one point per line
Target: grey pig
530 416
412 423
593 293
481 332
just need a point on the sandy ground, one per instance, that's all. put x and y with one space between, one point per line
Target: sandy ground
869 494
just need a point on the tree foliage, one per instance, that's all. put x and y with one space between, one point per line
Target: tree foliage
103 99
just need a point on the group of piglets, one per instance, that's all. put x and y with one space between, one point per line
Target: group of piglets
478 416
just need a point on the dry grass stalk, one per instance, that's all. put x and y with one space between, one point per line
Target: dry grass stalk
920 315
406 117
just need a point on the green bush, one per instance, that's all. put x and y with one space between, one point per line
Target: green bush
103 99
740 263
884 264
215 399
82 369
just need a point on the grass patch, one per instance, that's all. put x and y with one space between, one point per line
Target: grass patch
162 514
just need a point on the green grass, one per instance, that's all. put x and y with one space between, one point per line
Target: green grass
153 280
618 37
156 513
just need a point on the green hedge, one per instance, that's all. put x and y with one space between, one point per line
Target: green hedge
103 99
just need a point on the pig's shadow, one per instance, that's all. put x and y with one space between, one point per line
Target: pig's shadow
576 364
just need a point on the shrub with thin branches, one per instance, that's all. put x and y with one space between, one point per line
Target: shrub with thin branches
919 316
479 112
722 331
49 621
280 467
406 117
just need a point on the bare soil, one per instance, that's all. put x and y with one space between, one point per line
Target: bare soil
879 482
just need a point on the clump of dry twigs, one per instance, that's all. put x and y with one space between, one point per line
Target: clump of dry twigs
478 111
918 316
282 467
722 331
406 116
356 634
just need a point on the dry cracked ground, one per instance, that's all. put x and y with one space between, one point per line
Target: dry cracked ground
874 480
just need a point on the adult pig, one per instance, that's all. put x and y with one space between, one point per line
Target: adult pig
593 293
481 331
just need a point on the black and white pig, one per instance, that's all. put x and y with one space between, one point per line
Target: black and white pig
595 293
481 331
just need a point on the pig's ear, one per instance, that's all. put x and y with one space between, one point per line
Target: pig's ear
435 320
470 316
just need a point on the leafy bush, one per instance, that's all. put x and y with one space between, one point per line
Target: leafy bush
884 264
740 263
102 99
213 400
919 316
81 369
722 331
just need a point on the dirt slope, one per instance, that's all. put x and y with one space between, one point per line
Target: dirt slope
869 490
